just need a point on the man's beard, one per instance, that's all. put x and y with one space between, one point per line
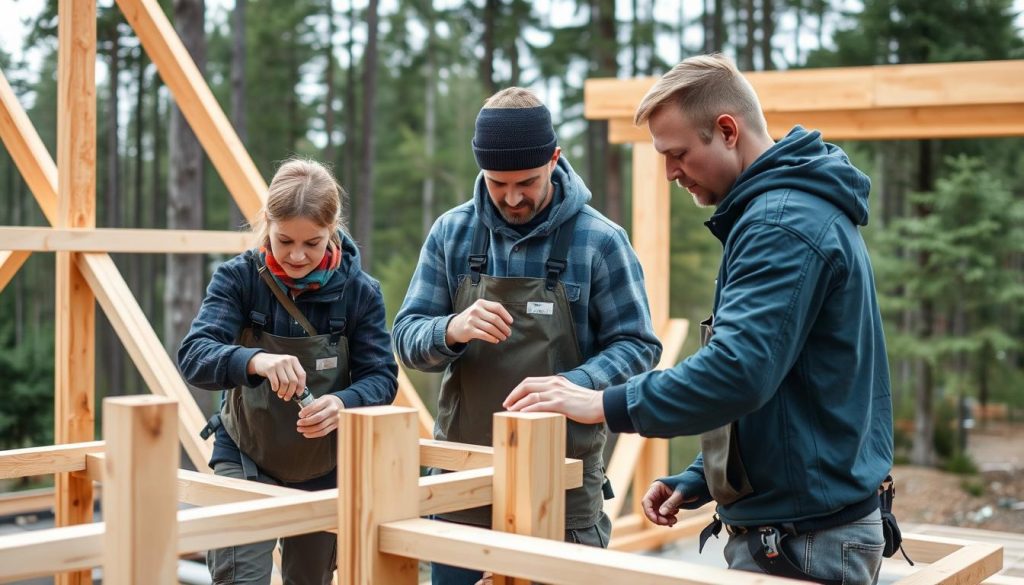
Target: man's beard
534 209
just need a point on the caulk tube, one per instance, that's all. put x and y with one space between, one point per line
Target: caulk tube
305 399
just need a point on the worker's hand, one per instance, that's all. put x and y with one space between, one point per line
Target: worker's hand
484 320
284 373
488 579
557 394
320 417
661 503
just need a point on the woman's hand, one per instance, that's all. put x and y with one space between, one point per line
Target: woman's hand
321 417
284 373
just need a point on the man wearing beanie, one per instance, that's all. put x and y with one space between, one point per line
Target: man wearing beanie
525 280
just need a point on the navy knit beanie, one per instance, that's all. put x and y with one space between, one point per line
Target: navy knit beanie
513 139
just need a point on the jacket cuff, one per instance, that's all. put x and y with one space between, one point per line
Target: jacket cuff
616 411
238 364
350 398
689 483
440 327
579 377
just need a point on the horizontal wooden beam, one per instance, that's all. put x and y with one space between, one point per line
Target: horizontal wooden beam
985 121
455 456
651 536
969 565
43 460
123 240
257 517
979 83
546 560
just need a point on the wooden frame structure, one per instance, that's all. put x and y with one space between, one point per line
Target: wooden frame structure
86 275
375 510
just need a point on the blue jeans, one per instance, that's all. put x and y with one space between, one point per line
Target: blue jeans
596 535
851 553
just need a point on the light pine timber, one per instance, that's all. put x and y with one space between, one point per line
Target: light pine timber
553 562
75 312
378 449
122 240
529 489
17 463
976 84
140 497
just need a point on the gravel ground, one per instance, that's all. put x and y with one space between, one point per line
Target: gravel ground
993 499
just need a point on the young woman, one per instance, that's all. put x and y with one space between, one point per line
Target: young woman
294 330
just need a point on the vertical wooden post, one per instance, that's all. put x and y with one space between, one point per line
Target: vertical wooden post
140 490
529 484
75 307
651 224
378 481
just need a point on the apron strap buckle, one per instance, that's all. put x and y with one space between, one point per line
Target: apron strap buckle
477 263
555 269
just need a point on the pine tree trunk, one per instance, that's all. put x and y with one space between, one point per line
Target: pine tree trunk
239 115
429 129
718 26
923 450
750 12
113 352
329 113
350 181
607 66
491 8
134 381
767 34
364 209
185 273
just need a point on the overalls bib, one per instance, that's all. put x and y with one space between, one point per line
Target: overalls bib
263 425
543 343
723 467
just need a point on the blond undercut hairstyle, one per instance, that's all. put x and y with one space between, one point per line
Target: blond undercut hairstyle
513 97
703 88
301 188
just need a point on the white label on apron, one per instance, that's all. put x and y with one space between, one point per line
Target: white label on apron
540 308
326 363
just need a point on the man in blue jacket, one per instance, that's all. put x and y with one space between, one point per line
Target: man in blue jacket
790 393
525 280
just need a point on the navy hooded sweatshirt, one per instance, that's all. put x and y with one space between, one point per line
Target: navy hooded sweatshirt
798 355
211 359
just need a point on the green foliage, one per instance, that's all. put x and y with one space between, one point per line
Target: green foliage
26 384
956 258
973 487
962 464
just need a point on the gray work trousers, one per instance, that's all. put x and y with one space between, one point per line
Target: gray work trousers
307 559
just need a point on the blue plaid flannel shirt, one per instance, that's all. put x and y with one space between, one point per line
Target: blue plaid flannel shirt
603 280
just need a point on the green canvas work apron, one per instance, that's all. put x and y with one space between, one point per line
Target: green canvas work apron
723 467
543 343
263 425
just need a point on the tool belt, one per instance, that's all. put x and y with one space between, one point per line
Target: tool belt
767 550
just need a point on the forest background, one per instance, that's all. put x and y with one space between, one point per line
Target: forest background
387 94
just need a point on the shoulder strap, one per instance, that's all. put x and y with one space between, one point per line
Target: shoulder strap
286 302
478 251
557 263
